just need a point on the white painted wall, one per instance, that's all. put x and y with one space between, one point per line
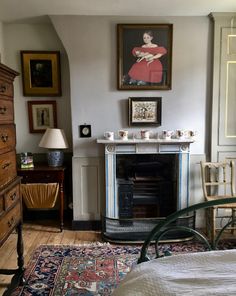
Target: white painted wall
35 37
95 100
90 42
89 79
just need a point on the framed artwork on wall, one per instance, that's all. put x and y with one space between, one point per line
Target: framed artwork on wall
144 53
41 74
42 115
145 111
85 130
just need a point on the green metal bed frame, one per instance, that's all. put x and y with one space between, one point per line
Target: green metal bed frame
162 228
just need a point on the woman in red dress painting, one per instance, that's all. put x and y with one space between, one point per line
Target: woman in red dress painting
148 68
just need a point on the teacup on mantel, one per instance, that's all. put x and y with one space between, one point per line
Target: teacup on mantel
179 134
191 134
109 136
166 135
123 134
145 134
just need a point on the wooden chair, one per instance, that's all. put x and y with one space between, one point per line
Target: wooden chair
218 181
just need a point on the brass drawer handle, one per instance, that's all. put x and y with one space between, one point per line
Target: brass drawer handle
6 165
3 88
3 110
4 138
13 196
11 222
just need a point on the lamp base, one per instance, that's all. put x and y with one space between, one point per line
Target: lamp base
55 158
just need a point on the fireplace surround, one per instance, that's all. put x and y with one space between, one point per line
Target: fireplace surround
146 180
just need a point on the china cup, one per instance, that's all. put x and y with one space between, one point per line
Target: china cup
166 135
179 134
191 134
109 135
145 134
123 134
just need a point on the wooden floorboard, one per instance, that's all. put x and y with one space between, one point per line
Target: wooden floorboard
34 235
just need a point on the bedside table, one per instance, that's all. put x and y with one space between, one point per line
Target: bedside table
44 174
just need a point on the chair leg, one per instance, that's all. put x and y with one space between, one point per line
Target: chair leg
210 224
213 224
207 213
233 223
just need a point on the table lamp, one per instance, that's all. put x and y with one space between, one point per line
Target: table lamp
54 139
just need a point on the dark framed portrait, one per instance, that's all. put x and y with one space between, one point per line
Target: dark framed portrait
144 53
42 115
145 111
41 74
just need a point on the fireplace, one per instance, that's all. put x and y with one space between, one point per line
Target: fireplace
145 182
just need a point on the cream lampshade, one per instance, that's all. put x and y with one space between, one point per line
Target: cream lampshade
54 139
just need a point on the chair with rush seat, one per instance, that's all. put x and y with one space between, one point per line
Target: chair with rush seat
218 181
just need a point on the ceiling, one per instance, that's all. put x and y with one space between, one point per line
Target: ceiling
21 10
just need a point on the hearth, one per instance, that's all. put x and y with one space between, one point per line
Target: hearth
136 230
145 182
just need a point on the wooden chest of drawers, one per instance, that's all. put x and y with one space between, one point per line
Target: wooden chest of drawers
10 209
7 167
10 199
7 137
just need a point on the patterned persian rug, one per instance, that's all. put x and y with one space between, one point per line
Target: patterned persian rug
93 269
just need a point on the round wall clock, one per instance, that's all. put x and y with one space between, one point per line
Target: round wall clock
85 131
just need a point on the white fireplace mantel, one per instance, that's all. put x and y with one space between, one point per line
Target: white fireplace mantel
141 146
146 146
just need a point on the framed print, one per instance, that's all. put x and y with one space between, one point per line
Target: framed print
42 115
41 74
85 131
145 111
144 56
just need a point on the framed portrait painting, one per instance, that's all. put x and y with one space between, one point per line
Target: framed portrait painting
145 111
41 75
42 115
144 53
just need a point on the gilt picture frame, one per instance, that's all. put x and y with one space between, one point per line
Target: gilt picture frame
41 73
144 111
144 56
42 115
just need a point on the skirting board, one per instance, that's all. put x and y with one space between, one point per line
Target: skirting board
86 225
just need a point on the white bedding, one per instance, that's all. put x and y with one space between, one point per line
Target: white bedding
206 273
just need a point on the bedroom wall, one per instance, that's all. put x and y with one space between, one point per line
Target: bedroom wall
88 47
95 99
94 96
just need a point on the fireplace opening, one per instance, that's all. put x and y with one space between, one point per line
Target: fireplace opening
147 185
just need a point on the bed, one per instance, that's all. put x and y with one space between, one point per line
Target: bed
205 273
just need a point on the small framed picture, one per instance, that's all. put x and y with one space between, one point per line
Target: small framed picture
145 111
144 53
42 115
41 74
85 131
